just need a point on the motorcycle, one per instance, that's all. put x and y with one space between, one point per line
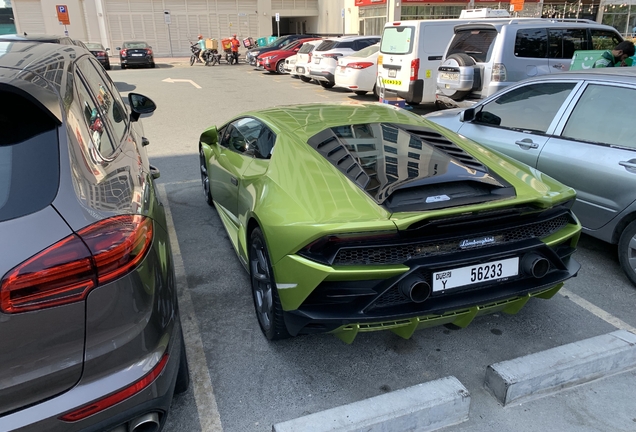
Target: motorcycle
210 56
194 47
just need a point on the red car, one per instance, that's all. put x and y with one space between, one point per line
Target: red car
274 61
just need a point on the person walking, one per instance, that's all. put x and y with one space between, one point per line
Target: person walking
201 43
235 49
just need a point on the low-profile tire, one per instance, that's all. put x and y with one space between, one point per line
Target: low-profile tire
267 306
183 373
627 251
152 65
327 84
304 78
205 178
280 67
360 92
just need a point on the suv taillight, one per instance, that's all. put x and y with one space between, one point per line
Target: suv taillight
66 271
415 69
498 73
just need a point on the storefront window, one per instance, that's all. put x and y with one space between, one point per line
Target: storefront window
431 12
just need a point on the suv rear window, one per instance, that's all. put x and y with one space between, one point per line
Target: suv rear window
306 48
476 43
29 159
397 40
327 45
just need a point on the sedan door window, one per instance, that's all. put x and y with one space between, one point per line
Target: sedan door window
258 139
528 108
603 115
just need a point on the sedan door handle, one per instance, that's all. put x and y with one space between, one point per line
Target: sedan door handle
630 164
234 181
527 143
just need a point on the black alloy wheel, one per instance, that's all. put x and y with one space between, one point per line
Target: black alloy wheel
205 179
627 251
266 301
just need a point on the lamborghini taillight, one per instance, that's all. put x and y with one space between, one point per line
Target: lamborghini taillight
66 271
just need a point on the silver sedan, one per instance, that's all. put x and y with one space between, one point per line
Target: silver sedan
577 127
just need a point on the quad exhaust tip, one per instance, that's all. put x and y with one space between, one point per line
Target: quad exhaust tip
415 289
535 265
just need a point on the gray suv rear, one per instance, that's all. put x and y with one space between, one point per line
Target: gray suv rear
482 58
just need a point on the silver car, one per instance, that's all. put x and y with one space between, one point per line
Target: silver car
577 127
89 323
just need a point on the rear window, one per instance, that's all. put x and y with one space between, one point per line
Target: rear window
29 160
326 45
366 52
306 48
397 40
135 45
477 43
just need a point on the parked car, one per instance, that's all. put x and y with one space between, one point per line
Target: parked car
279 43
576 127
91 335
42 38
325 56
303 60
136 54
290 65
359 71
360 217
100 53
274 61
483 58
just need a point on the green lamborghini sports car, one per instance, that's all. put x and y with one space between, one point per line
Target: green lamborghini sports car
359 217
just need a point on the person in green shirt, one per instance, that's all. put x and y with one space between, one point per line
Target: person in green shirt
617 57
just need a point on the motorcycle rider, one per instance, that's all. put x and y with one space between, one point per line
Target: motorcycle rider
201 44
235 49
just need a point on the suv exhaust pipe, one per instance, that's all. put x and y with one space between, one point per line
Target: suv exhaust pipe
145 423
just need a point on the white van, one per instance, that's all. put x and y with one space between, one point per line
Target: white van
411 51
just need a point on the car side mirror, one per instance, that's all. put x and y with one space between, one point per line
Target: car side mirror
467 115
210 136
139 105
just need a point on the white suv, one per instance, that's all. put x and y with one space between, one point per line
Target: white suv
303 59
325 56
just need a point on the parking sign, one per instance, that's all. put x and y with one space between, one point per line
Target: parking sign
62 14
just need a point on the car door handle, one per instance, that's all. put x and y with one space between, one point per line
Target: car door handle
527 143
234 181
630 164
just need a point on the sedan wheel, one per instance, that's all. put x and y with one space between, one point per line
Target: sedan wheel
627 251
280 67
327 84
205 179
266 301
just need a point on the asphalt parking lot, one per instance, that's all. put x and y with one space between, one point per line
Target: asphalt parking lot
243 383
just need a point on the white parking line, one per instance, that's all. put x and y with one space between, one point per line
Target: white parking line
605 316
209 418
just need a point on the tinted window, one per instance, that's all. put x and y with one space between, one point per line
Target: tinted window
135 45
528 108
366 52
397 40
563 43
604 39
532 43
603 114
258 139
94 119
475 43
306 48
346 44
29 159
326 45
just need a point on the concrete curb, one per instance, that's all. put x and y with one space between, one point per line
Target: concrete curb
537 374
420 408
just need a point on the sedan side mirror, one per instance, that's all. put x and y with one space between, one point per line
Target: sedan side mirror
467 115
210 136
139 105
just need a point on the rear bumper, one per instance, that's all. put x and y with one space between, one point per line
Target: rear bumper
322 75
137 60
414 93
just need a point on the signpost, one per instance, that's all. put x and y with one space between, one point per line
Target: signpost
168 20
62 17
278 24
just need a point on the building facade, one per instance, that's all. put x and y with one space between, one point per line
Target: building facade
169 25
